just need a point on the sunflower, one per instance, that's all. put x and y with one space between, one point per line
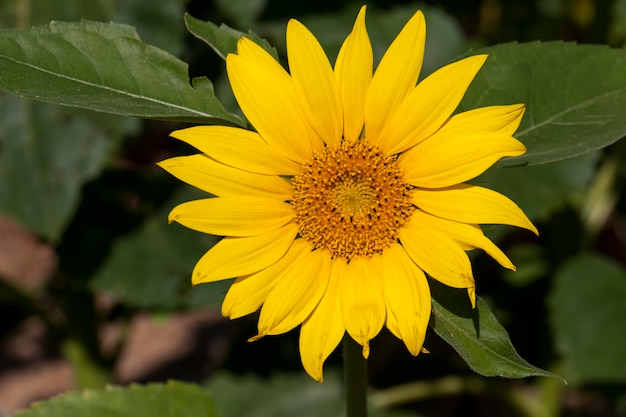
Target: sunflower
350 190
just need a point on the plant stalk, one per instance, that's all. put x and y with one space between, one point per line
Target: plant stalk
355 378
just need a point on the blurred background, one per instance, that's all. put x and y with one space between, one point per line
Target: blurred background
95 285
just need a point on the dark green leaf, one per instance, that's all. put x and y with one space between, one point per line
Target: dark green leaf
151 268
574 96
46 156
104 67
174 399
477 336
587 311
223 39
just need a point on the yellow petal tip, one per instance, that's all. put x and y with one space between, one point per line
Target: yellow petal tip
197 279
366 350
255 338
471 292
317 376
535 230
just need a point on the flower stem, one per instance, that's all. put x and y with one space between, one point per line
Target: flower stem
355 378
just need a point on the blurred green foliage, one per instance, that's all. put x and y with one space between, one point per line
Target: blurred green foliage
86 184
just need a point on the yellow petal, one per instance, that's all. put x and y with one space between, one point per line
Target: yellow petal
437 254
266 95
429 105
235 256
471 293
353 70
501 120
233 216
395 76
323 330
222 180
297 293
471 236
362 299
315 83
444 160
248 293
407 296
238 148
471 204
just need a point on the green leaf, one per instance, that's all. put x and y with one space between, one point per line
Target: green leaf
151 268
587 313
477 336
47 155
174 399
574 96
105 67
223 39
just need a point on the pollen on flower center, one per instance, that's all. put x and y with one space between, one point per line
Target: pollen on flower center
354 197
351 200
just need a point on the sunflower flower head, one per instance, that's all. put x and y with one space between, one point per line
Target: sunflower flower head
351 189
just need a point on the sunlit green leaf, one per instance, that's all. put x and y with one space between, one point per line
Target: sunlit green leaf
574 96
46 157
477 336
223 39
104 67
174 399
151 268
587 311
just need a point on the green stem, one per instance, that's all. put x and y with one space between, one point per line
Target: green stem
355 378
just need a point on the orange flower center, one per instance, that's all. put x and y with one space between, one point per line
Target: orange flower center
351 200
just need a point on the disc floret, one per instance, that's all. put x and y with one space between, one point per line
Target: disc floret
351 200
